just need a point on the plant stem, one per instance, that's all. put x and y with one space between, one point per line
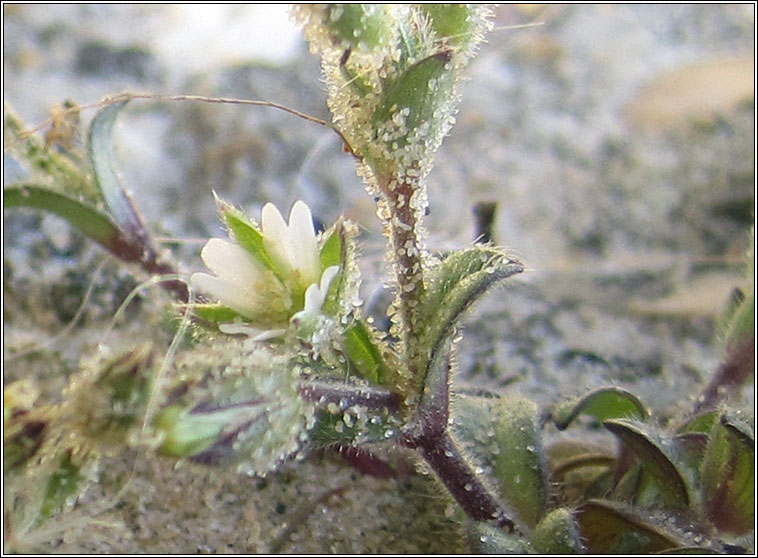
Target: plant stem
432 440
403 223
455 473
345 395
734 370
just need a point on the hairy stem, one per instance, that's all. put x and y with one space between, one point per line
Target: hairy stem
430 437
407 254
456 474
345 395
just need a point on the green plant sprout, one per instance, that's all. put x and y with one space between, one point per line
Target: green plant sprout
282 360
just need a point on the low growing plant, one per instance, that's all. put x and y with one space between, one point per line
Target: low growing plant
274 357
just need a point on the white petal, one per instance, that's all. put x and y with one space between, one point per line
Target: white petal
314 300
315 295
240 300
304 255
326 278
231 262
273 226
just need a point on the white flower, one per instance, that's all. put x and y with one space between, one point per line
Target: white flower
268 298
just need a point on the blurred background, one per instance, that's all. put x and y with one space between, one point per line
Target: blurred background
615 143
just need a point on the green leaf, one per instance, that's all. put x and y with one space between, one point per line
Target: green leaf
608 527
601 404
650 451
742 323
454 285
117 398
728 477
89 220
117 202
578 467
23 435
682 550
557 533
245 233
502 436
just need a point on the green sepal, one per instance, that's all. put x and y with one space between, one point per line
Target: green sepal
654 454
243 231
233 405
365 357
338 249
601 404
331 247
728 477
336 426
184 435
557 533
502 436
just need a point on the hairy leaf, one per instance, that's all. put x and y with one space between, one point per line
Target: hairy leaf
502 436
655 459
601 404
455 284
62 484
